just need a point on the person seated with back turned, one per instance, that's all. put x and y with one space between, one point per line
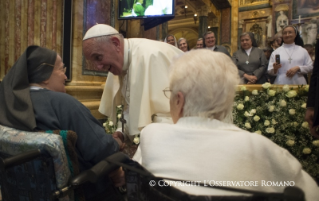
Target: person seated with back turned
250 60
33 98
201 145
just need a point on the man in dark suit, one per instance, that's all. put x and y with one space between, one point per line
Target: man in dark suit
210 43
312 116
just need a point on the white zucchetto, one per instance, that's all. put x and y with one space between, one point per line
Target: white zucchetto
100 30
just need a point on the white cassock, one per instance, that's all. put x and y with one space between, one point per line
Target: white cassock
146 63
201 149
299 56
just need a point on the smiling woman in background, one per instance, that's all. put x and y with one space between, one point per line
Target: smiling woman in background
170 39
294 60
183 45
250 61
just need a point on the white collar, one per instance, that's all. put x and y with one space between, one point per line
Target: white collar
35 88
211 48
249 51
288 45
201 122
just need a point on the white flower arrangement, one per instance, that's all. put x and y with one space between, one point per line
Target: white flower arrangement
136 139
109 125
279 116
255 92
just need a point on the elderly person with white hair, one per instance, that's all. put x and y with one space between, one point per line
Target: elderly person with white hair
202 146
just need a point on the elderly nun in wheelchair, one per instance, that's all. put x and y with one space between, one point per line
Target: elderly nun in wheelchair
33 98
204 146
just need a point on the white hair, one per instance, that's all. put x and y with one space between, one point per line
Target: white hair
208 82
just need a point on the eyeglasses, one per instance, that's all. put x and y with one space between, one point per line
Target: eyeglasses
63 69
167 92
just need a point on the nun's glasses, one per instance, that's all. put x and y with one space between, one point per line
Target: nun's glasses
62 69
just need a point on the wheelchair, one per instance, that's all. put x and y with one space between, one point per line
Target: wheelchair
43 174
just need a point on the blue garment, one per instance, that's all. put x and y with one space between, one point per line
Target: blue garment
60 111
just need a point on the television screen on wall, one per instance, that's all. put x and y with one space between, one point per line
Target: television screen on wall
135 9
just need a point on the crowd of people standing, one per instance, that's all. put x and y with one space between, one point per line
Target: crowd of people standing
285 61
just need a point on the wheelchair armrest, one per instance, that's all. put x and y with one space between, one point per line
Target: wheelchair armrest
101 169
19 159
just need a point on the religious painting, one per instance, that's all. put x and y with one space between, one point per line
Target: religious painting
259 28
281 20
305 8
258 33
309 30
96 12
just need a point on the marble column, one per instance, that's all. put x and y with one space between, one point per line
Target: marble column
164 30
234 26
202 27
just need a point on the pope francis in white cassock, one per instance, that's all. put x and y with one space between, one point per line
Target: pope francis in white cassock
139 85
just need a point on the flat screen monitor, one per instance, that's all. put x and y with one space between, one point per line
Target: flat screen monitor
135 9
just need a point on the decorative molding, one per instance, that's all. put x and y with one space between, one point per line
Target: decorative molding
221 4
282 7
255 7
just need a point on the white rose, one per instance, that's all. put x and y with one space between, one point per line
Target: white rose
246 98
258 132
255 92
136 140
282 103
290 143
247 125
266 85
247 114
286 88
291 94
304 105
119 116
306 150
305 124
267 123
292 111
271 108
253 111
294 124
240 106
110 123
270 130
256 118
316 143
273 121
271 92
307 88
243 88
119 106
104 125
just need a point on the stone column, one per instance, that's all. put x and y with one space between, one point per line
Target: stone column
164 30
202 27
240 31
203 21
234 26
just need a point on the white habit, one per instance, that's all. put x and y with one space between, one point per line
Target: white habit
146 63
201 149
299 56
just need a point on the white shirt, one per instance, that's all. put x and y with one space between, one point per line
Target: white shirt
299 56
211 48
199 149
248 51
